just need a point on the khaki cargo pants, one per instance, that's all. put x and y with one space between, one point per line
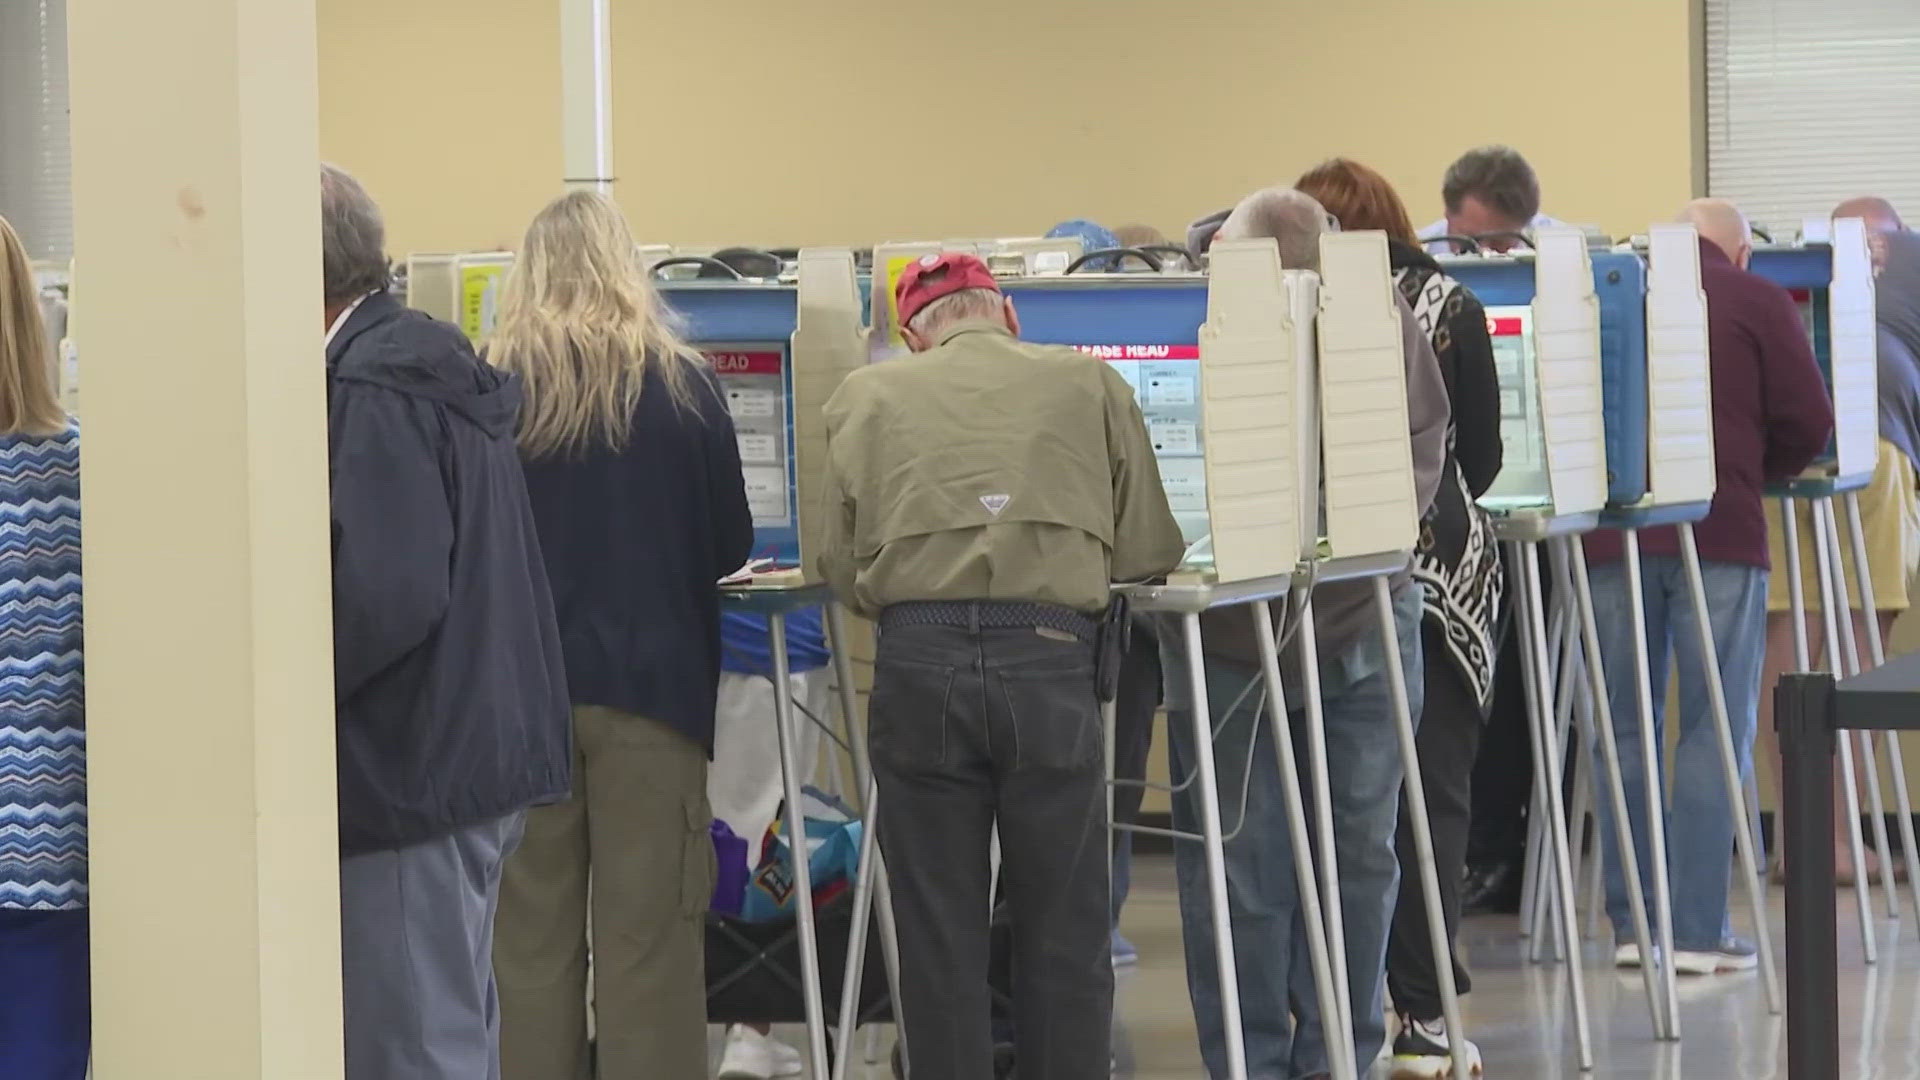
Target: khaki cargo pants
637 825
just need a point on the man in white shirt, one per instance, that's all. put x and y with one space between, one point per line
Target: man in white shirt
1492 193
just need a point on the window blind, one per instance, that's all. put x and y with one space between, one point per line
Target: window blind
35 150
1810 102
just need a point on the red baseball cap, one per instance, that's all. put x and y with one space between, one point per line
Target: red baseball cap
929 278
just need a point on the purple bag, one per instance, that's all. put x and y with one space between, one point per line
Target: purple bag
730 884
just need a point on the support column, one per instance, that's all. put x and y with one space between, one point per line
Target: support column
204 461
586 95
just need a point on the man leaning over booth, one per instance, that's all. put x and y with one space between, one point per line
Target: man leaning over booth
1285 1036
982 495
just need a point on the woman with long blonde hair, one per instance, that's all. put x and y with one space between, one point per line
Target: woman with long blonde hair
44 1024
634 474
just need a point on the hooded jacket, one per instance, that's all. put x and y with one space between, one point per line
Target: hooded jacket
450 696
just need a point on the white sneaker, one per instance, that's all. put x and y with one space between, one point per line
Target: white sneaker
752 1056
1734 954
1627 955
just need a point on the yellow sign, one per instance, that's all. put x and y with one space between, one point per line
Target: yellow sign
480 299
895 265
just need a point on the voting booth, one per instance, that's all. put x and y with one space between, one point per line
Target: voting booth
463 289
1545 315
1832 282
1228 420
1675 424
779 347
780 350
1829 274
1543 312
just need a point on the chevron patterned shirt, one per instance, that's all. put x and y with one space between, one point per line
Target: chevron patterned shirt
43 796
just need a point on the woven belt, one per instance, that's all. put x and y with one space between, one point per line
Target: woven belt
990 615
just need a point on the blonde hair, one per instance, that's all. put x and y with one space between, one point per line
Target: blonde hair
29 404
580 324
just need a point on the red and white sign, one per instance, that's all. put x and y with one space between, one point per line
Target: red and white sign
1506 326
747 363
1142 352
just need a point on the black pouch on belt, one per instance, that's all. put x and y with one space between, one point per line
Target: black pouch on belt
1116 627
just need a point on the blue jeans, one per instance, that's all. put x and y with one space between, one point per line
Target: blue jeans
1280 1011
1699 821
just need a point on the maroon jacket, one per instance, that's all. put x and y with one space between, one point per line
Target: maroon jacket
1771 414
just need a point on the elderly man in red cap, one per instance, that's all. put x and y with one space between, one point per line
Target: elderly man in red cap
982 497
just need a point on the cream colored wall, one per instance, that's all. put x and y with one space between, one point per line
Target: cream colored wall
448 110
836 121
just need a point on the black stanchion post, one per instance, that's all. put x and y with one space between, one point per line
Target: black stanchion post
1804 714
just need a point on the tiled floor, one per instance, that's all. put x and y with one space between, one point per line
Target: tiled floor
1518 1011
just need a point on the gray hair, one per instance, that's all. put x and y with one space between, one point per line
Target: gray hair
353 238
1294 218
957 307
1497 176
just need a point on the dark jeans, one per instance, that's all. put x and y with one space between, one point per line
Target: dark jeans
1448 740
970 727
1134 708
45 1024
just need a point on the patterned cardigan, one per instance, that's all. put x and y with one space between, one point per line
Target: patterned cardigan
43 787
1457 560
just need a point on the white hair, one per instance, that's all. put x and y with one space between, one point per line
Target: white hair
956 307
352 238
1294 218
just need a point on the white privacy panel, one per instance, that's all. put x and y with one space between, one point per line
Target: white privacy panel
1854 346
829 340
1367 453
1566 328
1256 378
1679 373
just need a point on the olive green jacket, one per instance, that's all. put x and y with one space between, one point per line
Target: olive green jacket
988 468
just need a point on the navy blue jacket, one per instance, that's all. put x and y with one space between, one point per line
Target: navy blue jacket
450 695
635 541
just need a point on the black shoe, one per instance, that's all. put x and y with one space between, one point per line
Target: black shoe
1492 889
1423 1051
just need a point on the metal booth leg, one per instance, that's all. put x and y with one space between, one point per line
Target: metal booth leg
1208 797
1655 973
797 848
1572 685
1851 654
873 866
1416 793
1329 905
1326 945
1654 782
1532 879
850 978
1745 841
1896 762
1558 618
1547 777
1830 605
